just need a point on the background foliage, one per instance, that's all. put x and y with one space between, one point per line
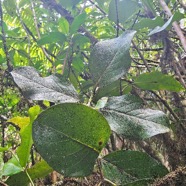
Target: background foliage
92 88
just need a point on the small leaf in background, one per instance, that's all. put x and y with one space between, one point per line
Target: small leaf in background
21 122
157 81
23 151
69 3
149 7
126 8
101 103
33 112
10 7
3 149
63 25
73 132
39 170
176 17
149 23
110 59
126 116
77 22
131 167
12 167
112 89
25 125
80 40
52 88
52 37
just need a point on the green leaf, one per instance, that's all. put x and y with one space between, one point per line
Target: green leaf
23 151
69 3
39 170
157 81
112 89
3 149
10 6
131 168
149 5
110 59
149 23
176 17
63 25
77 22
21 122
80 40
126 9
12 167
159 29
73 132
33 112
52 88
52 37
126 116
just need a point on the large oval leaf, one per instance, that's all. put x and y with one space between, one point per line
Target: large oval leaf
127 117
110 59
70 136
131 167
52 88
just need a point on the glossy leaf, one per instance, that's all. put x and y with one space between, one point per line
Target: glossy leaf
52 37
131 167
77 22
52 88
126 116
110 59
157 81
73 132
126 8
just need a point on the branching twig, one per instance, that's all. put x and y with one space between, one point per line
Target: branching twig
166 105
38 32
174 24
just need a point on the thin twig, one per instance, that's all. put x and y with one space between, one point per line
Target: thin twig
174 24
9 64
117 18
38 32
166 105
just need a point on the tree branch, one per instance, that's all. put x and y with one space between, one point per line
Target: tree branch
174 24
9 64
64 13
